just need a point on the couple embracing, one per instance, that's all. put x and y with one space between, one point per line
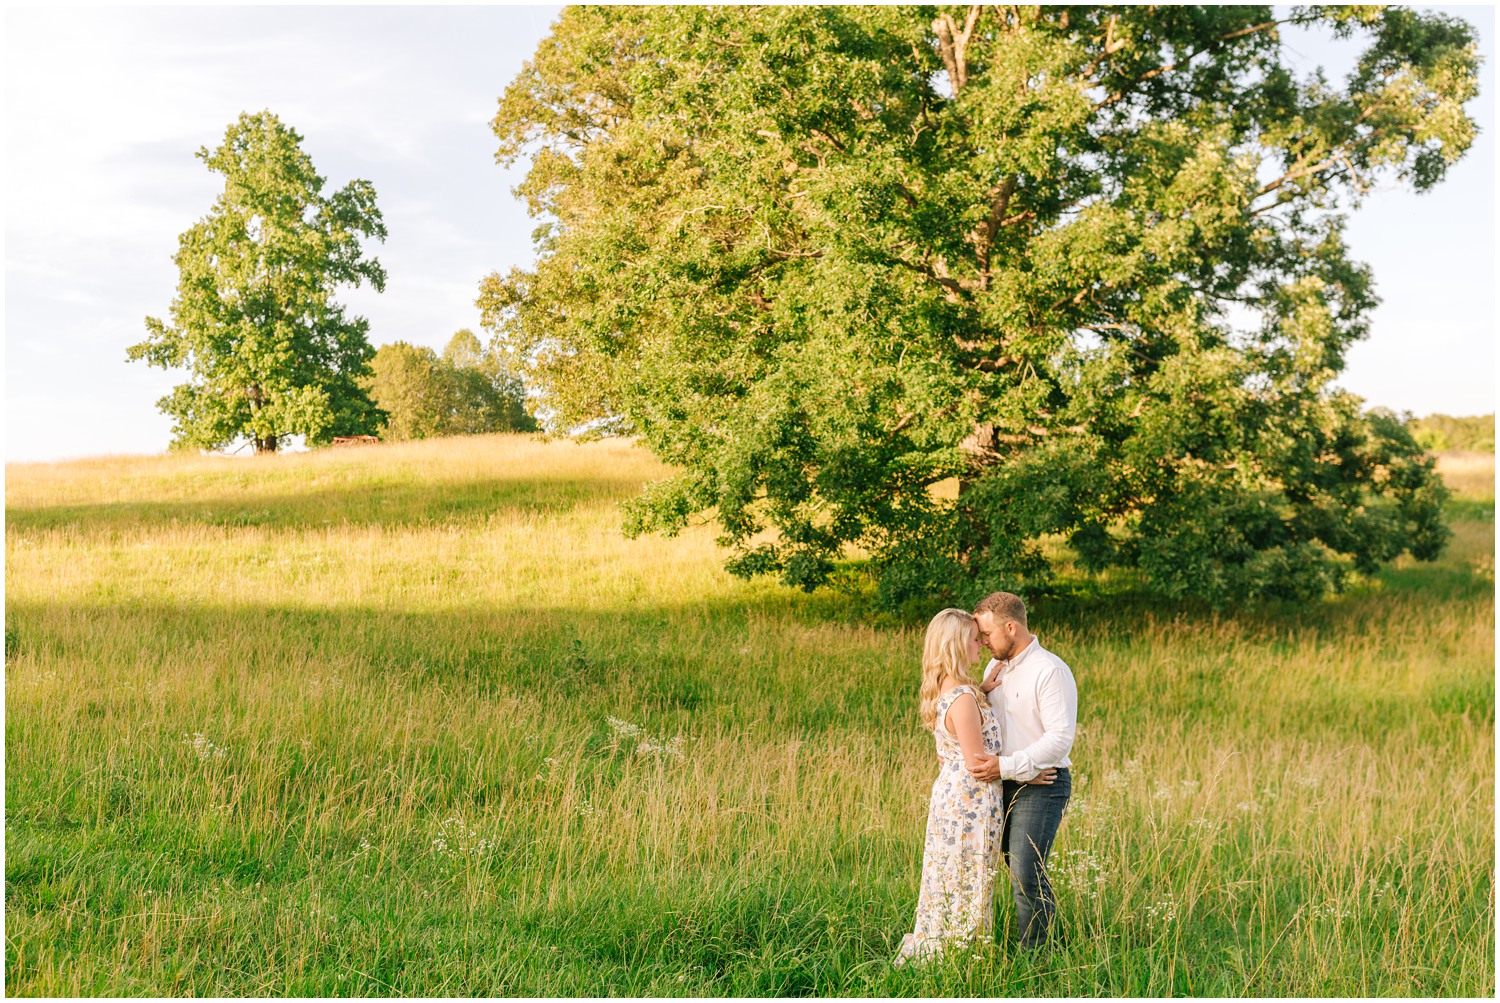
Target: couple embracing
1004 778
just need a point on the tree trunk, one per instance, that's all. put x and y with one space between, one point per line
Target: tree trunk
268 444
980 447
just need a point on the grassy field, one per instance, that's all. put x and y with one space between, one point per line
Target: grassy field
416 719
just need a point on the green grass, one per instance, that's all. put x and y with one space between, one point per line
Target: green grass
340 724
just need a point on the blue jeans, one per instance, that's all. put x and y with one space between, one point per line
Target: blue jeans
1032 814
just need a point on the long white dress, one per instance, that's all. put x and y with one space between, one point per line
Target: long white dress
962 852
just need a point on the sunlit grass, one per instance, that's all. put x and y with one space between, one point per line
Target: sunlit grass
417 719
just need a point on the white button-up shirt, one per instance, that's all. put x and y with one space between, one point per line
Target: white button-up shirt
1036 705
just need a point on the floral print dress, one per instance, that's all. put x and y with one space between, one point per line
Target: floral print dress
962 852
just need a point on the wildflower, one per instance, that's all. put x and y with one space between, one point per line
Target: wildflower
1081 870
659 749
203 748
1329 910
623 729
646 745
457 839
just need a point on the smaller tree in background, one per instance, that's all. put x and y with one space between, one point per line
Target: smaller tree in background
1439 433
485 396
465 391
267 350
406 384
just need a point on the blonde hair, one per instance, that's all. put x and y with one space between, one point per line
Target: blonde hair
945 656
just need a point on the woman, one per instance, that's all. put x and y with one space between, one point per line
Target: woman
962 852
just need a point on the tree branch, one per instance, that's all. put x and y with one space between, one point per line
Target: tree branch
1158 71
1337 155
953 289
953 45
999 206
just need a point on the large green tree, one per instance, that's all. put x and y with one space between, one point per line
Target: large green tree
1086 262
267 351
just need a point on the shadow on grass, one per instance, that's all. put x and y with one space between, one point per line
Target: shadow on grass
773 658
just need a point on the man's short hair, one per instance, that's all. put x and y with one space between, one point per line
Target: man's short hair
1003 606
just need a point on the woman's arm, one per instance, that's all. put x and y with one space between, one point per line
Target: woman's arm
963 724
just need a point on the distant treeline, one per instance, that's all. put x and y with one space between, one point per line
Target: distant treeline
1442 433
464 391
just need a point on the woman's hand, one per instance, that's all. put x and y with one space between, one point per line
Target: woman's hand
1047 776
984 768
990 681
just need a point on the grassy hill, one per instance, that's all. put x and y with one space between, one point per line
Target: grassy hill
416 719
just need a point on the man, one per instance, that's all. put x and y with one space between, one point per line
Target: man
1035 702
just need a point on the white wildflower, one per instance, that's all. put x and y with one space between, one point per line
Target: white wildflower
549 766
1329 910
646 745
623 729
203 748
659 749
457 839
1081 871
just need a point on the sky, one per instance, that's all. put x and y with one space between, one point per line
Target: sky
105 107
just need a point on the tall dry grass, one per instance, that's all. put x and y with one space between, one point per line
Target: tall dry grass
418 720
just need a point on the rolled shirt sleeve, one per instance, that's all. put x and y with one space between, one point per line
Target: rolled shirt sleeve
1017 767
